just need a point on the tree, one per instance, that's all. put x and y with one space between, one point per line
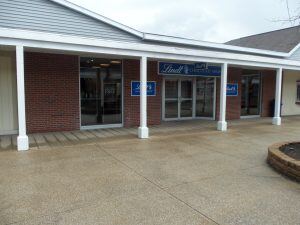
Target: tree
293 16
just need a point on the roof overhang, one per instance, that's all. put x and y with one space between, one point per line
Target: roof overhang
98 17
191 42
293 50
170 39
42 40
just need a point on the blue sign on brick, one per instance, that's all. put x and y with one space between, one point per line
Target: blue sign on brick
232 90
196 69
135 88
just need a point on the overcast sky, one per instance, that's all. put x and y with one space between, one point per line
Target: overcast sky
208 20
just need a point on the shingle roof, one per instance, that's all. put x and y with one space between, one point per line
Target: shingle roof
279 40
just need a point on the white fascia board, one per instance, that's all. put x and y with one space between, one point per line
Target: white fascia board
43 40
169 39
184 41
293 50
98 17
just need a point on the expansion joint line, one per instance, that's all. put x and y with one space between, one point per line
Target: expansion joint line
158 186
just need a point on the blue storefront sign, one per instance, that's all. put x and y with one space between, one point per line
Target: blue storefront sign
232 90
196 69
135 88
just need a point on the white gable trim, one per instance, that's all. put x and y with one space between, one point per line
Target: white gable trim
98 17
34 39
185 41
293 50
168 39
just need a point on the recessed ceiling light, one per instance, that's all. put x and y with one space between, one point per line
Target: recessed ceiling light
115 62
104 65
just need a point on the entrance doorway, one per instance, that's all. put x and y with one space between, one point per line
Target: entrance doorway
251 95
101 92
188 98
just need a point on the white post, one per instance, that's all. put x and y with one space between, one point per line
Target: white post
222 124
277 118
22 140
143 131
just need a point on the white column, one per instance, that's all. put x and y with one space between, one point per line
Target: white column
277 118
22 140
143 131
222 124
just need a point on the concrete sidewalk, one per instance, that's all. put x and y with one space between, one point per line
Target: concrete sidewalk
196 177
71 138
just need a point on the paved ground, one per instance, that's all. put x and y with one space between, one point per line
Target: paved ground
195 177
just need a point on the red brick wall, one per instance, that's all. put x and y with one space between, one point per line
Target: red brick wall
233 110
52 92
234 103
268 91
131 72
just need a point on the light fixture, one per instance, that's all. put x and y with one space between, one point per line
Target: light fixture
90 61
115 62
104 65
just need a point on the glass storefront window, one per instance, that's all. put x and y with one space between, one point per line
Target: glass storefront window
101 91
251 91
205 91
180 96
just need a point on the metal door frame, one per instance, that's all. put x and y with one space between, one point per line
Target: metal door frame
260 97
194 85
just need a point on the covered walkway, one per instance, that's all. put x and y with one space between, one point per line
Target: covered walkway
56 139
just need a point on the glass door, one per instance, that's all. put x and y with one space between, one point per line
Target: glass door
251 95
101 92
178 98
171 98
186 98
205 97
90 100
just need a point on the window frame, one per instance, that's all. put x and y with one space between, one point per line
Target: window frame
298 92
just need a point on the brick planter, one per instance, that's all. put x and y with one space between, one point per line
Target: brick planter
283 163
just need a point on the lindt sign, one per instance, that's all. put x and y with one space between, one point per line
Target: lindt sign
196 69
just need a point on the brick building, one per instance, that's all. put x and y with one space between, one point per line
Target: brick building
79 70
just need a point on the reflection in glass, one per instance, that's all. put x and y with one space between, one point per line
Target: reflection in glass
186 108
101 92
251 85
186 100
171 109
186 89
205 97
171 99
171 88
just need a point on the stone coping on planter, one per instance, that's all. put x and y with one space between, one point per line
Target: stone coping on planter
282 162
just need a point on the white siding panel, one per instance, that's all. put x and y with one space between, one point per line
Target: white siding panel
8 93
47 16
289 93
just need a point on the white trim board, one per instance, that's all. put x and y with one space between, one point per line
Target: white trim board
165 38
170 39
33 39
11 132
105 126
185 41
